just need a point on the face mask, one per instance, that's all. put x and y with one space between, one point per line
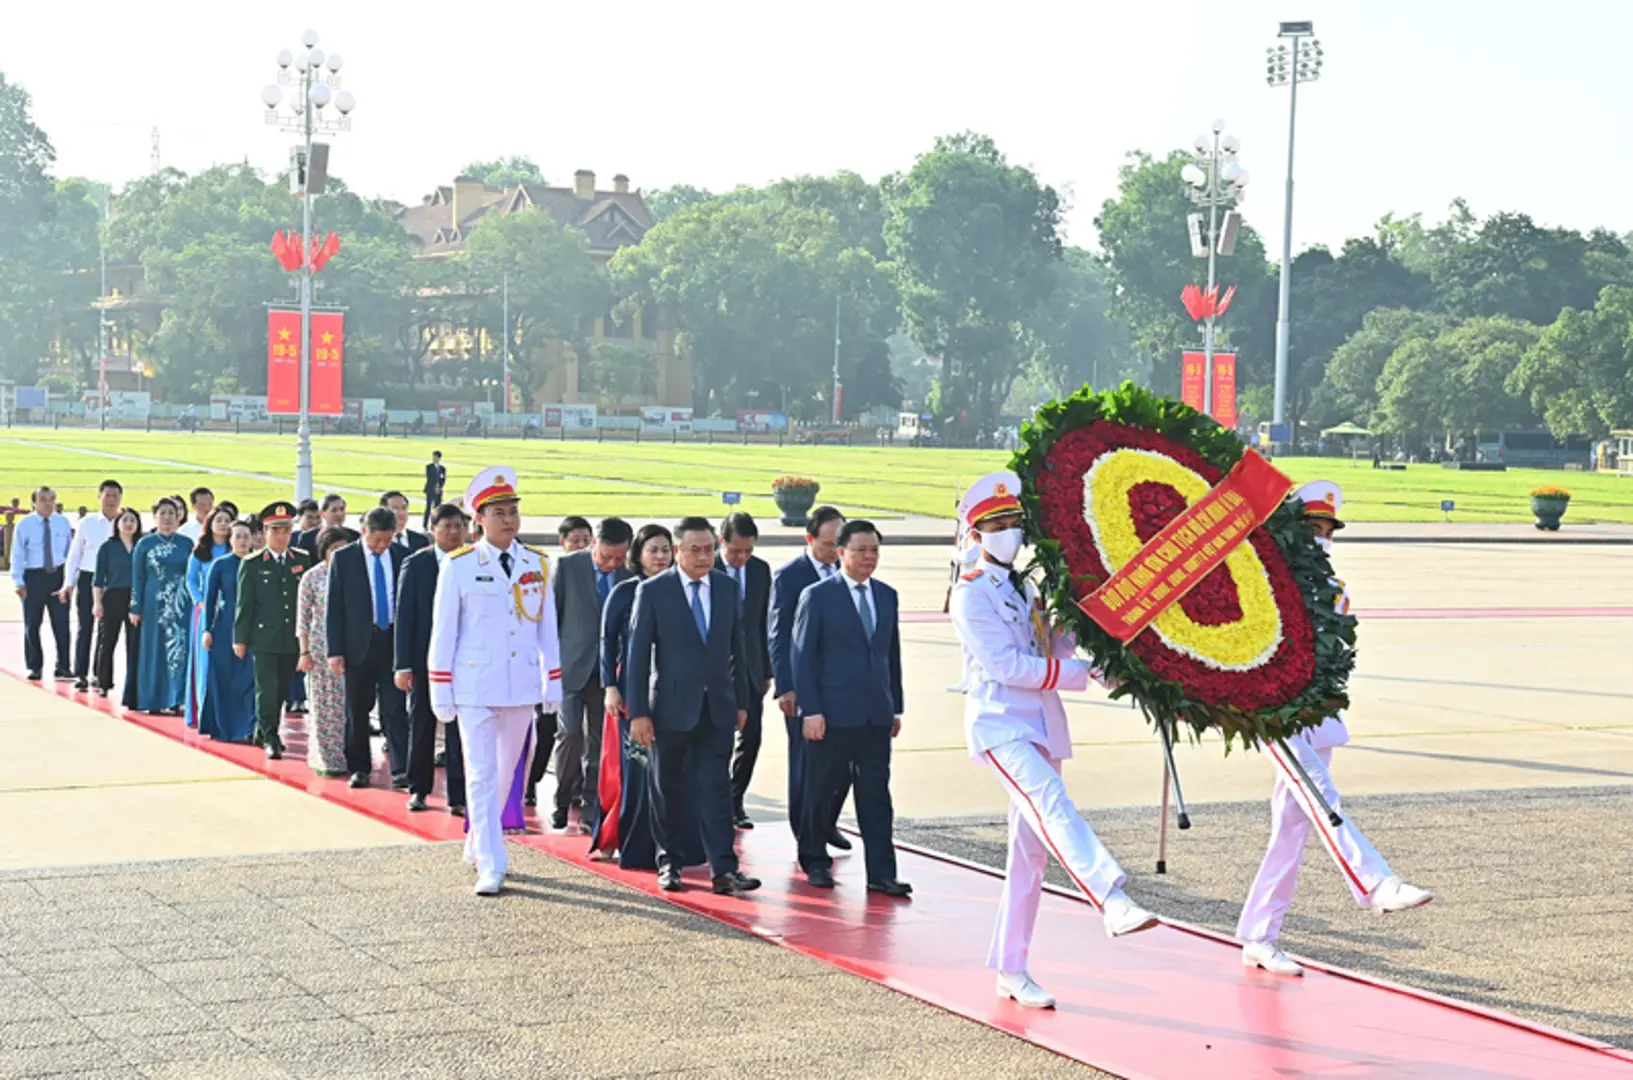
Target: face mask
1326 543
1004 545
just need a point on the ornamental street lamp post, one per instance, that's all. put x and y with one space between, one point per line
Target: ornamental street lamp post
1218 183
1288 66
314 80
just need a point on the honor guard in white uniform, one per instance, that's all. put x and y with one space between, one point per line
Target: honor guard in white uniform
494 656
1293 812
1014 722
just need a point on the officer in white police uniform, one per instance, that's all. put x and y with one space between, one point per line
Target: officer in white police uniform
1293 812
495 655
1015 725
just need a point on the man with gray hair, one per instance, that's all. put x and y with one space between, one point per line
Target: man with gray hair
362 613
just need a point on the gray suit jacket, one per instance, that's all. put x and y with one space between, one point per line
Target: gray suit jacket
578 618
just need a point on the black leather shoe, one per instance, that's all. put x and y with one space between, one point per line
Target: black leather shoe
274 753
530 797
891 887
34 676
82 684
358 780
63 675
558 820
669 879
821 877
416 802
735 882
457 810
399 782
742 820
836 839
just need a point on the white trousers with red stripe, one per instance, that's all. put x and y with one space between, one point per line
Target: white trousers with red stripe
1043 821
493 740
1292 815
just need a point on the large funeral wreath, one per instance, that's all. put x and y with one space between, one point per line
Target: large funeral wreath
1258 649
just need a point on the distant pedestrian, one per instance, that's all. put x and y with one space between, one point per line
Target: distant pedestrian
436 479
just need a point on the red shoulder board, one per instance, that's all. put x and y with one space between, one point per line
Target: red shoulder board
971 576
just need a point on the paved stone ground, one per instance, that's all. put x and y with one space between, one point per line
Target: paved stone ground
379 963
1532 911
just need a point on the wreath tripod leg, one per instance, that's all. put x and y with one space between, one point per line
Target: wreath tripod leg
1173 772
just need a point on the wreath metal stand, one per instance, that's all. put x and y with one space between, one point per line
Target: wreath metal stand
1170 779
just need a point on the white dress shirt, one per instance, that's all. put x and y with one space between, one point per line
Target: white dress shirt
193 529
368 572
704 595
93 531
739 574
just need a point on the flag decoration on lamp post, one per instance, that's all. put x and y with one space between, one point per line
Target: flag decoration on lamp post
289 249
283 362
1206 303
1224 384
328 345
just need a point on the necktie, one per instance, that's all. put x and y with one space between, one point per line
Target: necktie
382 594
827 571
697 610
1019 582
741 574
50 552
865 609
504 561
603 585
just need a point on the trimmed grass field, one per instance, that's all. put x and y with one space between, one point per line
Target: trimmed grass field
656 480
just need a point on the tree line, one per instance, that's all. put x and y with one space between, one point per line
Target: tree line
950 287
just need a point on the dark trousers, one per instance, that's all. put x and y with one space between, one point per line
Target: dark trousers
422 747
42 589
432 498
705 754
273 672
797 785
85 614
859 756
544 734
748 752
115 620
364 685
576 759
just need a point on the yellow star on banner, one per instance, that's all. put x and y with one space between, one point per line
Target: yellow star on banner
328 338
283 334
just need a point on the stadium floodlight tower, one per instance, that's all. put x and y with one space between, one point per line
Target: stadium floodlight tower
314 85
1288 65
1216 183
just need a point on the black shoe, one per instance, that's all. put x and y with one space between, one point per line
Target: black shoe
530 796
358 780
836 839
669 879
742 820
34 676
821 877
82 684
891 887
63 675
399 781
733 883
416 803
274 753
457 809
558 820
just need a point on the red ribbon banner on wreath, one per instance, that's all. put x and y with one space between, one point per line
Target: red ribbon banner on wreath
1188 549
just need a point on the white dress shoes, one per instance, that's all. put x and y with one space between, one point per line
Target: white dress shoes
1123 916
1264 954
1396 895
489 884
1023 991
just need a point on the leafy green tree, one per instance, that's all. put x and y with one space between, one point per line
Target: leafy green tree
973 241
504 172
1076 340
1512 266
1352 375
665 203
1454 383
621 373
1579 374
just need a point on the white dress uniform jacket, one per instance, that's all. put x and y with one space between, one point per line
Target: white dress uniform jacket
1331 731
493 637
1012 669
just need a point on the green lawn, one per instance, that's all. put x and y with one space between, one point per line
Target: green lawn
661 480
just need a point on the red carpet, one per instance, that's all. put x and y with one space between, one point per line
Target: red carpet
1173 1003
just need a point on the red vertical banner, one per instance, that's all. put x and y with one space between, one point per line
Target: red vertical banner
283 362
1190 379
328 356
1224 389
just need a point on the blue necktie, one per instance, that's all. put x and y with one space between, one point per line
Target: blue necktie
603 585
697 610
865 609
382 593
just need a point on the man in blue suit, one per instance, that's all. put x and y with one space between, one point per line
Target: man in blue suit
752 577
848 668
688 675
416 598
362 611
819 560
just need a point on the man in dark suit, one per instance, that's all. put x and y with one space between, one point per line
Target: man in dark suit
584 580
848 668
688 671
411 638
405 538
752 575
436 477
362 609
819 560
308 523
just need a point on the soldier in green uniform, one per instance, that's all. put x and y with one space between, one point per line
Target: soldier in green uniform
268 583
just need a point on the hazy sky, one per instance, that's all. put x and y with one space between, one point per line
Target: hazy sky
1512 105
